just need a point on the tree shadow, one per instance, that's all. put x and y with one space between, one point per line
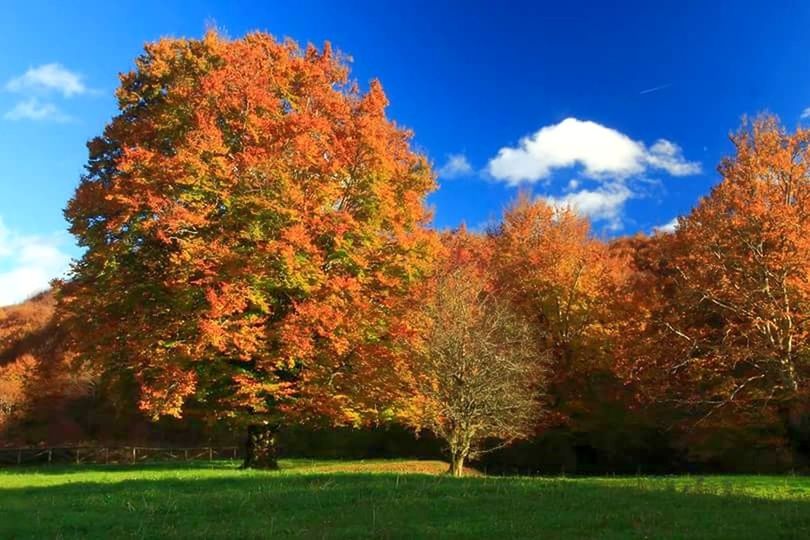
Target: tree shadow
266 505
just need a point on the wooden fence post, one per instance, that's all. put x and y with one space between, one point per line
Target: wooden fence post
134 451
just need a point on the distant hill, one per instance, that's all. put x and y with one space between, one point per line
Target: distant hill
38 383
27 328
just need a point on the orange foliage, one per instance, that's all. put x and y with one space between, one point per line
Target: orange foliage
566 283
548 263
21 336
36 369
734 292
14 380
251 220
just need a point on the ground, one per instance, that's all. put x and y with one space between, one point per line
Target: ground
388 499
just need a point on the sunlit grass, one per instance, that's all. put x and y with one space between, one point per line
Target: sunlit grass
387 499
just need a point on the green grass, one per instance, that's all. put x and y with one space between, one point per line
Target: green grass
309 499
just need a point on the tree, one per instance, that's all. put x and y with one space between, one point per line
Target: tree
728 294
566 284
557 274
747 255
249 220
475 371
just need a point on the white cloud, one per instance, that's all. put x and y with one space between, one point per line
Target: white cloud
668 227
46 78
668 156
33 109
805 114
601 151
455 166
605 203
28 264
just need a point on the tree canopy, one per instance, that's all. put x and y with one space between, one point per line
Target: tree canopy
249 219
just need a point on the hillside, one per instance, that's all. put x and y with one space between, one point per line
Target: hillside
27 338
27 328
37 382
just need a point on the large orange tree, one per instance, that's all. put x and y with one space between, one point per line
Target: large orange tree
725 333
250 219
745 252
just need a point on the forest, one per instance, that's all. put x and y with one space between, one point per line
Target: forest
259 265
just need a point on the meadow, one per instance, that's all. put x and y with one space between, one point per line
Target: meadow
388 499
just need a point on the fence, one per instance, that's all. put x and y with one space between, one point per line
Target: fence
123 454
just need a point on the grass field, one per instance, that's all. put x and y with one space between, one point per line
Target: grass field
391 499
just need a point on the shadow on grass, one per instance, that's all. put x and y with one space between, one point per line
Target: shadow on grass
268 505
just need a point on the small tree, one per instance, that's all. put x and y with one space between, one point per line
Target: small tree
476 370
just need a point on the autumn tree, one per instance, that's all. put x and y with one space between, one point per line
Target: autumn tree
476 372
665 331
566 283
249 220
560 276
736 283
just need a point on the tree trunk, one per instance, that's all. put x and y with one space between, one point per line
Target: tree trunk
796 421
261 451
456 464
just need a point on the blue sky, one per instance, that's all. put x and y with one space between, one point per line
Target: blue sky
620 111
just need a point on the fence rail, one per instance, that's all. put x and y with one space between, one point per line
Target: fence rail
118 454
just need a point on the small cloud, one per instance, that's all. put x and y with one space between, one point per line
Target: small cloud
28 264
47 78
605 203
455 166
805 114
33 109
668 156
602 152
668 227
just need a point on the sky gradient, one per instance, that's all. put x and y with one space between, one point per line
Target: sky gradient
622 112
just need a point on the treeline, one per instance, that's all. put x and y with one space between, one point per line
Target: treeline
258 257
